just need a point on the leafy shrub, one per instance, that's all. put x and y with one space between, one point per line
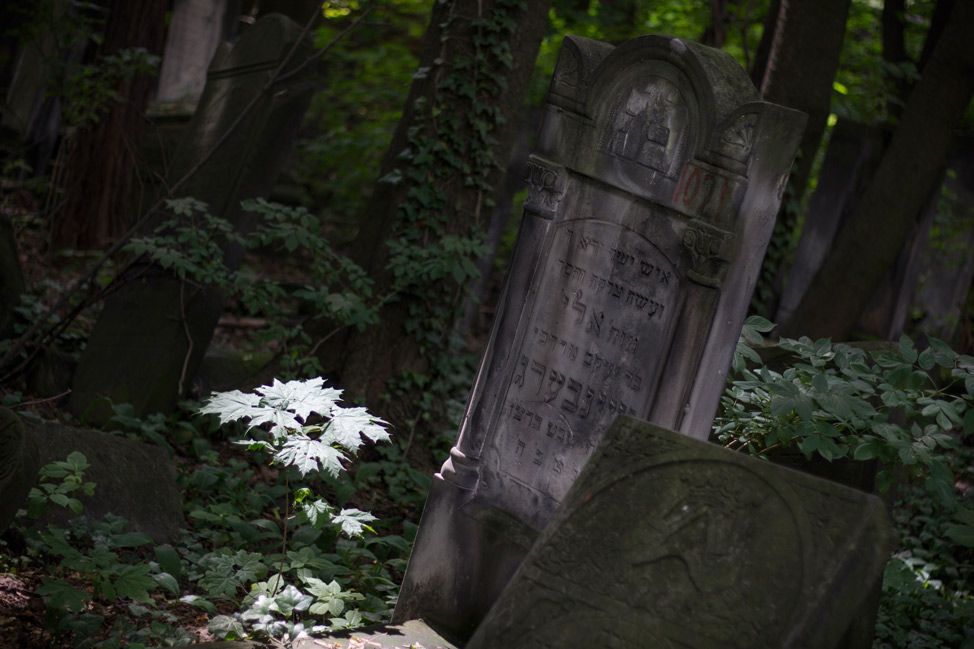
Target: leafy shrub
305 430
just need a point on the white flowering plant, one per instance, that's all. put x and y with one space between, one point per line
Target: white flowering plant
301 425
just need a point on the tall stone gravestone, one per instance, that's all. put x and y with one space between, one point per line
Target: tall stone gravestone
653 191
666 541
195 30
151 336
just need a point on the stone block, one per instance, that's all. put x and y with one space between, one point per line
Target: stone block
666 541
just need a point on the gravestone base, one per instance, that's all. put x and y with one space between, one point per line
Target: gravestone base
412 634
465 575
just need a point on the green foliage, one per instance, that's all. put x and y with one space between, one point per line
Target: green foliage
906 407
928 586
70 476
838 401
191 244
60 32
280 605
351 120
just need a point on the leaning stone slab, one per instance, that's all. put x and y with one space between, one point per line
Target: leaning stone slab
666 541
132 480
149 340
653 192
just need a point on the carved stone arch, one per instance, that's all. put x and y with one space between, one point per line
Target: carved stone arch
650 61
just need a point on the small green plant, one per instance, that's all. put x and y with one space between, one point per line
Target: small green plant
904 408
191 245
88 561
58 481
299 426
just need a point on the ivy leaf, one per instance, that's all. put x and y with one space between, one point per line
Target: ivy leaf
305 454
353 521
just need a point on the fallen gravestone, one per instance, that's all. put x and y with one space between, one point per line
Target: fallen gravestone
653 190
728 552
149 340
132 480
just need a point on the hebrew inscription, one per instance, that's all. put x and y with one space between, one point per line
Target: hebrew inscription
606 302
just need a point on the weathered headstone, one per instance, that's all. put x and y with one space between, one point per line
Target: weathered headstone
653 191
18 467
666 541
195 30
11 277
149 340
133 480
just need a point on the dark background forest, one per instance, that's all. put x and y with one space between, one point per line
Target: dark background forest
348 210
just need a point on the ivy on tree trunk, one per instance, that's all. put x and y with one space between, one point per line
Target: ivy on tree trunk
423 229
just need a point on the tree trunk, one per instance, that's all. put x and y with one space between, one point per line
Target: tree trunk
894 53
802 58
100 188
910 168
437 184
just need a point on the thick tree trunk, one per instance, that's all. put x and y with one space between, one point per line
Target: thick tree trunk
798 70
894 53
100 188
910 168
446 158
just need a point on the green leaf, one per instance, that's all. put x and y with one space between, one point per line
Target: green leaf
291 599
348 425
866 450
962 534
231 406
61 595
353 521
306 454
169 560
168 582
134 582
301 397
200 602
907 350
226 627
317 512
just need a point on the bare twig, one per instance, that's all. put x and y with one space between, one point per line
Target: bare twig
37 401
189 338
276 77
